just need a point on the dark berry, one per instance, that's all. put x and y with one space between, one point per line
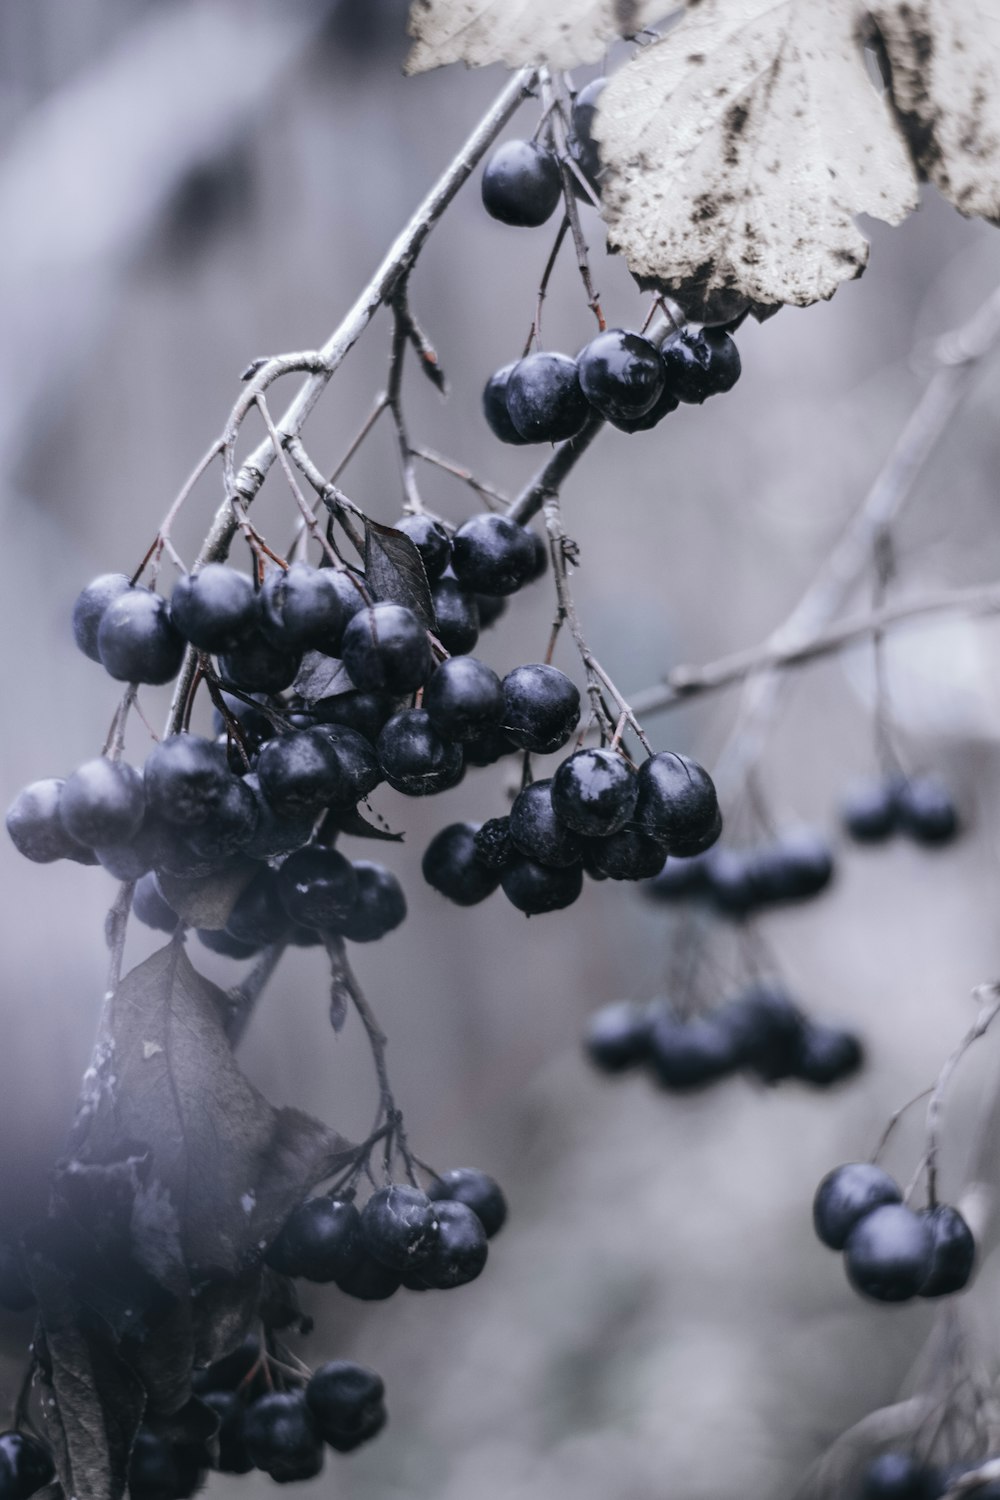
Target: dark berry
415 758
536 830
676 800
356 760
889 1253
626 855
259 917
385 650
36 829
258 666
25 1465
230 826
488 746
544 398
400 1226
594 792
926 811
730 878
478 1191
492 555
462 698
299 773
431 541
151 906
954 1252
451 864
681 879
379 906
321 1240
460 1251
215 609
521 184
493 847
491 607
281 1437
701 364
274 834
798 866
846 1195
869 811
88 611
582 145
186 778
345 1400
541 707
664 404
535 888
136 640
457 615
233 1455
162 1470
826 1055
371 1281
303 608
898 1476
317 886
766 1027
365 713
621 374
689 1054
495 411
617 1036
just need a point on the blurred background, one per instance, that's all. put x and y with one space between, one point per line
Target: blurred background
188 184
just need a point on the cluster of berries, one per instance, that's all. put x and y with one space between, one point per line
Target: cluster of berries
595 814
761 1032
921 807
797 865
896 1475
891 1252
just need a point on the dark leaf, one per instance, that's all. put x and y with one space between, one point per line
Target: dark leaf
321 677
209 900
224 1313
354 822
394 570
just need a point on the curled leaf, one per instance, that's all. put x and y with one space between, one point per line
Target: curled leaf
394 571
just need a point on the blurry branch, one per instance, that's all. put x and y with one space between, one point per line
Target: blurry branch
684 683
838 1472
988 996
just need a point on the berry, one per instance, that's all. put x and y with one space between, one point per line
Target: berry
431 541
414 757
492 555
618 1036
36 829
491 607
463 697
626 855
536 830
356 761
766 1027
846 1195
535 888
541 707
317 887
521 184
365 713
400 1226
230 826
452 865
385 650
234 1458
477 1191
186 778
664 404
581 143
954 1252
215 609
492 842
898 1476
621 374
869 811
281 1437
136 641
889 1253
701 364
219 941
379 906
259 918
926 811
102 803
460 1252
730 878
274 834
162 1470
457 615
298 773
25 1466
544 398
370 1281
345 1400
594 792
321 1240
676 801
303 608
799 865
498 418
88 611
688 1054
151 906
827 1055
681 879
257 666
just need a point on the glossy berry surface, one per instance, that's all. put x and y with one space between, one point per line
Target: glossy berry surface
889 1253
136 641
321 1240
379 906
477 1190
317 886
451 864
626 855
953 1255
88 611
258 666
102 802
281 1437
492 555
460 1251
304 608
298 773
898 1476
457 615
215 609
541 707
345 1399
463 697
498 418
185 779
385 649
621 374
162 1470
676 801
702 364
664 404
544 398
617 1036
846 1196
25 1465
535 889
594 792
400 1226
521 184
415 758
536 830
357 764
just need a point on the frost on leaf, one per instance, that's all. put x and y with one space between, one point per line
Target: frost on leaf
562 33
944 57
739 149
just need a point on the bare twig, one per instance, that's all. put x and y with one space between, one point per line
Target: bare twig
307 512
989 997
485 491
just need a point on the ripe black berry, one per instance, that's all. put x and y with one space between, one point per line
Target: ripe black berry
346 1401
676 801
457 615
594 792
617 1036
766 1027
451 864
492 555
889 1253
621 374
869 811
460 1251
299 773
365 713
477 1191
536 830
415 758
379 906
136 640
664 404
498 418
185 778
400 1226
492 843
688 1054
926 811
358 768
259 917
371 1281
162 1470
431 541
701 364
846 1195
521 184
463 697
954 1252
304 608
535 888
826 1055
233 1455
799 865
102 803
626 855
385 649
541 707
258 666
898 1476
545 399
36 829
274 834
317 886
88 611
281 1437
321 1240
25 1465
215 609
230 826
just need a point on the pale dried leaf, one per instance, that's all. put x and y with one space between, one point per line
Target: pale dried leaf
945 62
562 33
738 150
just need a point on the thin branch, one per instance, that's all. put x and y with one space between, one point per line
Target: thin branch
401 324
243 997
307 512
989 996
333 498
894 1120
557 126
543 286
485 491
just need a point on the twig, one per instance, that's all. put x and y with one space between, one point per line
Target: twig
485 491
401 324
557 126
543 286
894 1120
334 499
935 1108
243 997
308 514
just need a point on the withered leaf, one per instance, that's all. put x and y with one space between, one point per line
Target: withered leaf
394 570
208 901
321 677
562 33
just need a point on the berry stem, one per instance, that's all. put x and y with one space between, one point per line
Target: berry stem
535 333
308 514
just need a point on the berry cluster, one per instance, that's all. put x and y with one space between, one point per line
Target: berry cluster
761 1032
921 807
738 882
595 813
891 1252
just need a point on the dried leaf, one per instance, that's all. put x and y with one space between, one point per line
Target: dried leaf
394 570
562 33
321 677
209 900
944 57
731 173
